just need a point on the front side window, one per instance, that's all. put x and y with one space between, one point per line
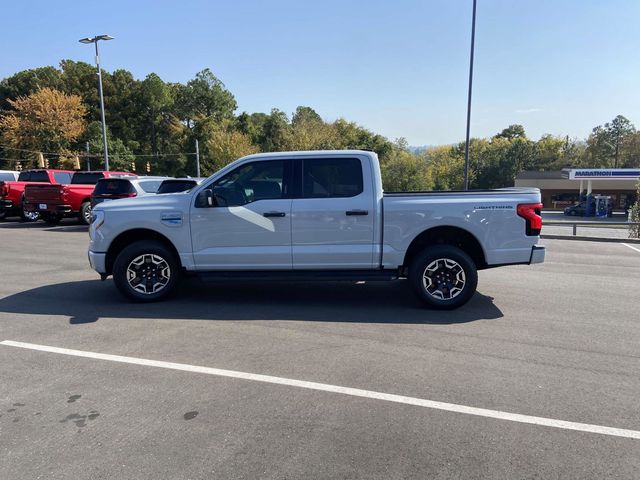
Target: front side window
331 177
250 183
150 186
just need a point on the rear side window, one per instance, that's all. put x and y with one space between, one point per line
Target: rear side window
113 187
150 186
40 176
331 177
82 178
62 177
172 186
7 177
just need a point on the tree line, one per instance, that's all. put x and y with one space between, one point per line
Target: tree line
156 123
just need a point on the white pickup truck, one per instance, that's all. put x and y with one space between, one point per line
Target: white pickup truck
318 215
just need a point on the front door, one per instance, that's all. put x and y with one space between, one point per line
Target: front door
249 226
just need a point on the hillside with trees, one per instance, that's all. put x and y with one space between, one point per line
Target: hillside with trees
152 122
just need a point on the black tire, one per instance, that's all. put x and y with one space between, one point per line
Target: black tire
51 218
157 263
451 280
28 216
85 213
3 214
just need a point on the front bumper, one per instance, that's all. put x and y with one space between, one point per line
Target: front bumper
537 254
98 261
6 205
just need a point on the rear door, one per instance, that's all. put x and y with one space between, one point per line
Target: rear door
333 221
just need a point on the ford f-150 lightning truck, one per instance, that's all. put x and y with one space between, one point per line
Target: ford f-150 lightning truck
320 215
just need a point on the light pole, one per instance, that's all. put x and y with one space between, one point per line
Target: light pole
95 41
466 143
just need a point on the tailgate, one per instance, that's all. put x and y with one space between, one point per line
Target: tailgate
38 193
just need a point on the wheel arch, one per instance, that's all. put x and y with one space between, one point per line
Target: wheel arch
134 235
447 235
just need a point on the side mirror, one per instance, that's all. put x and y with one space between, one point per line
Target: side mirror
205 198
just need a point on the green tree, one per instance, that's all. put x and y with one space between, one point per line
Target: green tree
403 171
511 132
26 82
634 230
222 145
606 141
120 157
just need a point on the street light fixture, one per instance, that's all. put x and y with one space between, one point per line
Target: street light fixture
95 41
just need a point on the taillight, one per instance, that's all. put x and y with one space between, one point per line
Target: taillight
62 191
531 212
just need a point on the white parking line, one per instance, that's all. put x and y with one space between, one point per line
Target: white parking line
631 247
356 392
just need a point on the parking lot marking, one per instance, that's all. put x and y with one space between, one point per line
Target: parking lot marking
355 392
631 247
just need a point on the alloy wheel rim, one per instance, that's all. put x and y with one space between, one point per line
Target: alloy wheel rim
31 216
87 214
444 279
148 273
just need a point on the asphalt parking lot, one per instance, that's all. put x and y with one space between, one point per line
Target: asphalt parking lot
558 341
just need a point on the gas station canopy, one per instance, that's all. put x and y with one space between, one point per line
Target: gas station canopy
601 173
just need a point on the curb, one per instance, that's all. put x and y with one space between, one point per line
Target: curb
591 239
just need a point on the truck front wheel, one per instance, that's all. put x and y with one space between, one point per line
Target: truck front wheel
85 213
443 277
146 271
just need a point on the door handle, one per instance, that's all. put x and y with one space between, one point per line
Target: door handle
356 212
274 214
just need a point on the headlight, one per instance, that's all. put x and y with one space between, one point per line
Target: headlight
97 219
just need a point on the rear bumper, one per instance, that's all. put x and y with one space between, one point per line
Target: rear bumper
51 208
98 261
537 254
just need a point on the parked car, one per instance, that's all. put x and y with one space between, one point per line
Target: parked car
12 192
580 210
8 175
116 188
54 202
314 216
175 185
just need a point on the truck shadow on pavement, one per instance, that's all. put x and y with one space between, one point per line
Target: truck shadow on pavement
88 301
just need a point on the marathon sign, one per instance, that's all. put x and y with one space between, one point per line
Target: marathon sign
602 174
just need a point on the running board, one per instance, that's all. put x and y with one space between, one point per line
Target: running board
301 275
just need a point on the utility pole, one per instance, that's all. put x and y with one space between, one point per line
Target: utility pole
197 159
466 143
88 157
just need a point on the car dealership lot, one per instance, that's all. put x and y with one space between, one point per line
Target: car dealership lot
557 341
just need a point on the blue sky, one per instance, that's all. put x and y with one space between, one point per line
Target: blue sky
399 68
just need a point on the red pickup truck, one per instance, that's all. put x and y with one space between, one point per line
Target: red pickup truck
12 193
53 202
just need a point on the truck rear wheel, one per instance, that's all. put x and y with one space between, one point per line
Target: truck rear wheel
443 276
146 271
